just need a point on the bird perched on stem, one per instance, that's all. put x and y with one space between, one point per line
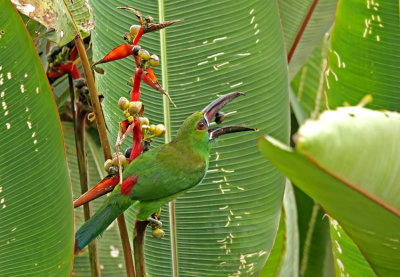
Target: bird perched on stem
161 174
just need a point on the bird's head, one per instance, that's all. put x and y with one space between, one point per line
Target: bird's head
197 126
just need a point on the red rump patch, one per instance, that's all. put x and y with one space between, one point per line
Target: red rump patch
128 184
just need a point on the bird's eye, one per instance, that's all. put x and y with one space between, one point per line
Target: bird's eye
201 125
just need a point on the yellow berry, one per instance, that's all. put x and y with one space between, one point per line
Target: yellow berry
158 233
134 30
127 114
144 121
123 103
152 128
144 54
115 154
130 119
107 165
154 60
121 158
159 130
135 107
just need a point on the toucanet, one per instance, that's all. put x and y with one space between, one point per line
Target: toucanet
163 173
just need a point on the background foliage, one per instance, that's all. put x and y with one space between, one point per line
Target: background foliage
228 225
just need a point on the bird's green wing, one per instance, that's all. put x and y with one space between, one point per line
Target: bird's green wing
165 171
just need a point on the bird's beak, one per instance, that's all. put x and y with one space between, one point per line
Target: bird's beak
215 132
213 108
217 104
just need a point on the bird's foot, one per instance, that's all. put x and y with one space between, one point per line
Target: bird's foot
154 223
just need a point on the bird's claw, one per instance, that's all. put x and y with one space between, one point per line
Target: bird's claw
154 223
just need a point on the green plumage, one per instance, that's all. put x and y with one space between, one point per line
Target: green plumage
162 173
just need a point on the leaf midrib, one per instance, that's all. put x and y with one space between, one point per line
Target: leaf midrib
164 74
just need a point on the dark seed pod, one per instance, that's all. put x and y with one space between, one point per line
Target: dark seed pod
79 83
113 170
219 117
136 49
98 69
149 19
84 90
146 145
50 59
55 50
127 36
65 50
128 152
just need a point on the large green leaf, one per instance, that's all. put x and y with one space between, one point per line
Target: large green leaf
284 258
61 15
227 225
315 244
36 213
356 180
276 259
293 14
308 84
365 57
347 257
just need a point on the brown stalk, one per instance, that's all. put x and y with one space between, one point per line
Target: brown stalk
79 127
101 126
138 244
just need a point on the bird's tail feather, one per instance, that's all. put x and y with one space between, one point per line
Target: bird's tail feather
96 225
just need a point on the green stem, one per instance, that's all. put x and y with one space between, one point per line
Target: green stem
101 127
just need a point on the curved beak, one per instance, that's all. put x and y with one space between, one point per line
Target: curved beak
217 104
211 110
213 133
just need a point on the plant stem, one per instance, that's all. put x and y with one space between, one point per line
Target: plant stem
79 127
101 126
138 247
123 232
171 205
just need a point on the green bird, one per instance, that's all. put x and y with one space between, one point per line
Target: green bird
161 174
